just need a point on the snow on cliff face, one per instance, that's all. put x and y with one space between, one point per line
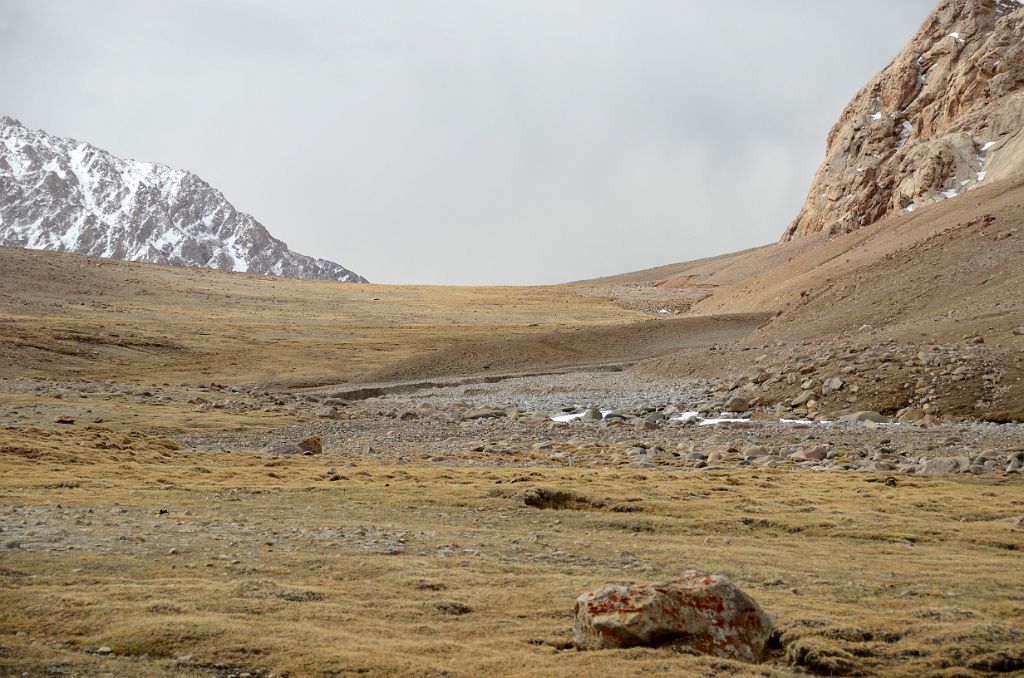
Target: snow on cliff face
944 116
67 196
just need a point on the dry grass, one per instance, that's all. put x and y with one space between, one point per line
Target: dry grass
77 317
279 568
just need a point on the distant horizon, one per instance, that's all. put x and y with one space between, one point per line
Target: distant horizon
466 143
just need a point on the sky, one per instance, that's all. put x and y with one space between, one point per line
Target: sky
466 141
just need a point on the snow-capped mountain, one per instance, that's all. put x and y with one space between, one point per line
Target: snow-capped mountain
68 196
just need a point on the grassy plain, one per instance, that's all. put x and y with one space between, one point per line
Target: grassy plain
65 316
218 564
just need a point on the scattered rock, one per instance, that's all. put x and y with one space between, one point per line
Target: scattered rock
483 413
944 466
737 404
816 453
803 398
832 385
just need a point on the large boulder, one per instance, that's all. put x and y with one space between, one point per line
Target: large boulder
944 466
705 612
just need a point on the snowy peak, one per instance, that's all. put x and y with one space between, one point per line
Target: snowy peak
946 115
68 196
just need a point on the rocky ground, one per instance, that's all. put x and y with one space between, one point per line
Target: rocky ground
450 532
192 509
213 475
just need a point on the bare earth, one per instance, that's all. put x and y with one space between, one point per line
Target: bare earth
166 526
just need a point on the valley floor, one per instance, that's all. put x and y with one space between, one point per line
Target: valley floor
158 518
175 531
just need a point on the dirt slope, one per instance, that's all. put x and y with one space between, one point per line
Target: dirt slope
946 266
578 348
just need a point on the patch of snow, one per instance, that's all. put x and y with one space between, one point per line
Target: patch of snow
906 129
877 116
981 176
579 415
988 146
714 422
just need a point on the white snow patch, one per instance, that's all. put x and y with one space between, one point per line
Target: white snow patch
579 415
988 146
981 176
905 131
713 422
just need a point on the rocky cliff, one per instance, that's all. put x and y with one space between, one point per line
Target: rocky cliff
65 195
944 116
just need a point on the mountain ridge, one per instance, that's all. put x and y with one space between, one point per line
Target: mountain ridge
65 195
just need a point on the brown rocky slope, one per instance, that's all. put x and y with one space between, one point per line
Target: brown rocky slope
943 117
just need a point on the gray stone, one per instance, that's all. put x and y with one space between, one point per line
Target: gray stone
483 413
862 417
816 453
944 466
803 398
737 404
832 385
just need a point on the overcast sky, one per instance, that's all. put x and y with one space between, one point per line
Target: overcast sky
466 141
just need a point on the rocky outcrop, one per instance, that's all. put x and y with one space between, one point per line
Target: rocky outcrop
944 116
704 612
68 196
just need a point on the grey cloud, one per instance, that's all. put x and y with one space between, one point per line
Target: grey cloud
466 141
